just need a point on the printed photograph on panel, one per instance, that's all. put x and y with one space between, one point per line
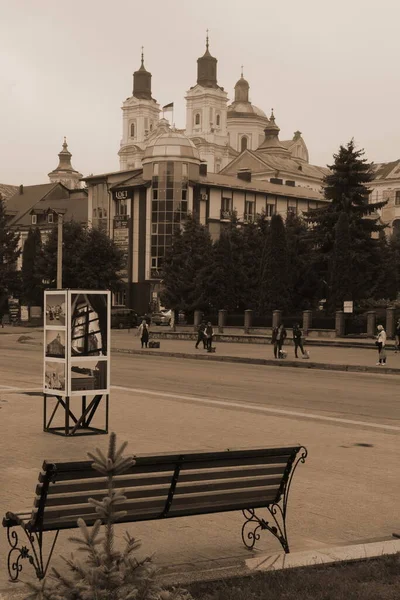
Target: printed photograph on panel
88 375
55 343
54 375
89 324
55 309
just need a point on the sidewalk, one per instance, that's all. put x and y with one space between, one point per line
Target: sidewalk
362 359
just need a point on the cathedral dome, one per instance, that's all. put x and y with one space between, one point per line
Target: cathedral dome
246 110
169 145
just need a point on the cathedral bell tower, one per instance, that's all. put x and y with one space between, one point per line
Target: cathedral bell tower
140 115
206 113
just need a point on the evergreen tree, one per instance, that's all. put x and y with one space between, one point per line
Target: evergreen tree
303 281
90 259
346 188
341 271
276 282
182 269
9 253
31 280
223 278
106 572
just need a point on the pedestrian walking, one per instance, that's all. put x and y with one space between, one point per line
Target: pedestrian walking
381 343
143 333
209 331
397 336
278 337
201 335
298 340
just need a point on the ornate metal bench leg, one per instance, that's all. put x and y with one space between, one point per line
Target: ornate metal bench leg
254 523
33 554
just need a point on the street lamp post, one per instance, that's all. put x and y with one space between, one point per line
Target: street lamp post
59 251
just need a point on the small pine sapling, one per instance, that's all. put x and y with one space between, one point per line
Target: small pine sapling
106 573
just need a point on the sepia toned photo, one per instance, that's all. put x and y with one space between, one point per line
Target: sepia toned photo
54 376
88 375
89 324
55 343
200 205
55 309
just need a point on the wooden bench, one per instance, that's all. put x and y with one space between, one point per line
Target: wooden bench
160 486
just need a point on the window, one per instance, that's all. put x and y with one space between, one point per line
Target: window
226 208
121 207
133 130
218 120
34 219
50 218
184 170
397 199
270 210
243 143
197 119
155 169
248 211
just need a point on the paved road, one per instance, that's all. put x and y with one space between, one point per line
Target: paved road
347 491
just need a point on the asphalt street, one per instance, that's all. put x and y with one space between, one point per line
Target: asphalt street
346 492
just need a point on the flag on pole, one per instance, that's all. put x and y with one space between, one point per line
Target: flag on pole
168 107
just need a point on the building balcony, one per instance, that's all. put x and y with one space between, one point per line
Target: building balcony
155 273
248 218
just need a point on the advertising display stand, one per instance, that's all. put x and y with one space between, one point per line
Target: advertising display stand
76 370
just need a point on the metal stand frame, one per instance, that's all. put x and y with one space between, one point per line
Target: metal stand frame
254 523
75 425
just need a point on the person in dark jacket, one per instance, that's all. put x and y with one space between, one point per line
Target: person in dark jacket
143 333
201 335
298 340
397 337
209 331
278 337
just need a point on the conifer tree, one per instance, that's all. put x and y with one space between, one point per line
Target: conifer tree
31 280
9 253
276 280
107 572
341 271
346 189
182 269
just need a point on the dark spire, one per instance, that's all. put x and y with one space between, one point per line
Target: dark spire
65 158
271 143
242 89
207 68
142 82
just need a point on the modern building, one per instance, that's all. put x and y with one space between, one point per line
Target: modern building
140 207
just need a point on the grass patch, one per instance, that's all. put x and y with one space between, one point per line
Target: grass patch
371 579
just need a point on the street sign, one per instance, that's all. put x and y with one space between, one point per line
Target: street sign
348 306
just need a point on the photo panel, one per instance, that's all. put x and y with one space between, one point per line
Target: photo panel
89 376
55 343
55 309
54 377
89 324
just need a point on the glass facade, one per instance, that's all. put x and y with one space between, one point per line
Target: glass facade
169 208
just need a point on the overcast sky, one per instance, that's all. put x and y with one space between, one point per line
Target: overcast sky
328 68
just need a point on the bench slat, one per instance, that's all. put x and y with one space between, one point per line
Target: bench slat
151 491
144 479
199 498
89 473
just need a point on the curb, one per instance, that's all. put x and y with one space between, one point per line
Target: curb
280 561
264 361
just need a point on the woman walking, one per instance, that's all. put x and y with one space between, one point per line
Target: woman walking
209 336
144 333
381 343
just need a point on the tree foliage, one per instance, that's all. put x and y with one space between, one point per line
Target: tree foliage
31 280
91 260
184 261
341 270
276 279
9 253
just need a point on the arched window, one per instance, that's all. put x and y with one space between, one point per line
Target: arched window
218 120
243 143
132 130
197 119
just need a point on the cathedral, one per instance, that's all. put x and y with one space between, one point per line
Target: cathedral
227 136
